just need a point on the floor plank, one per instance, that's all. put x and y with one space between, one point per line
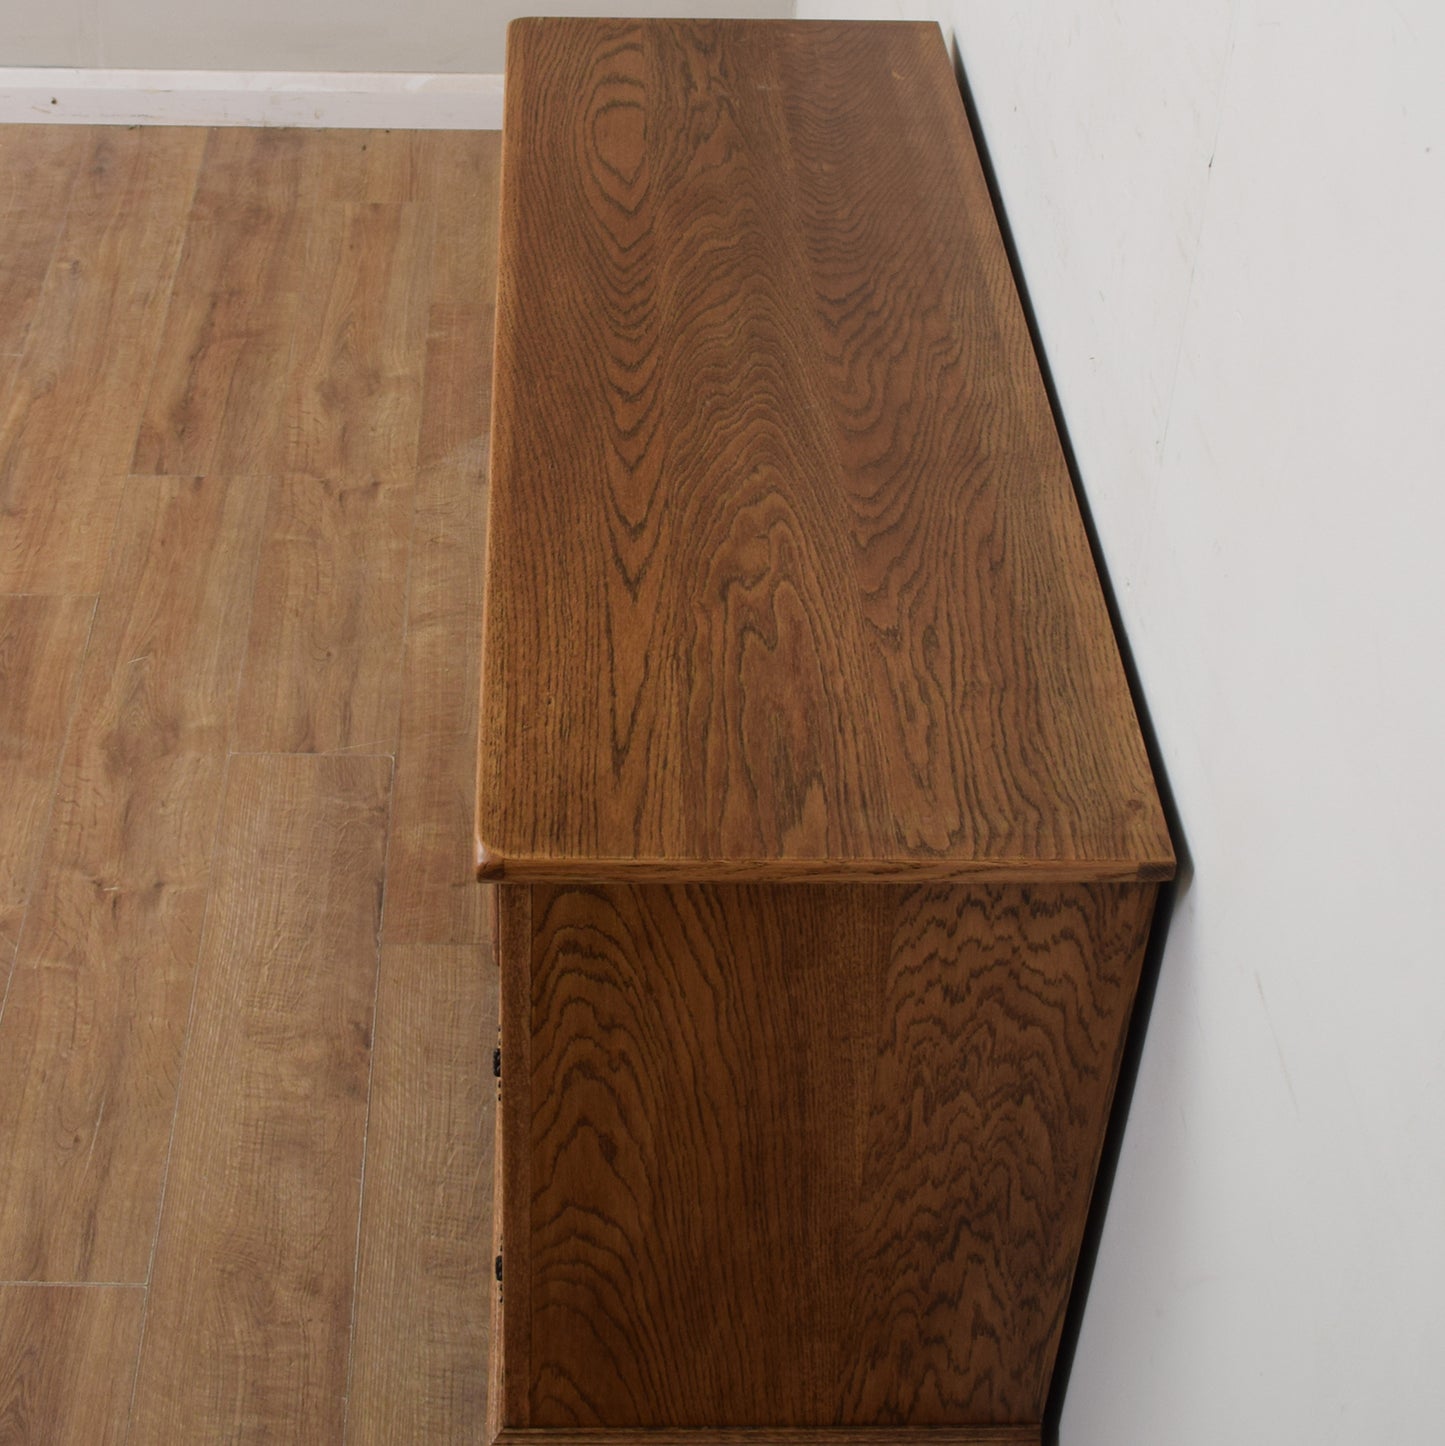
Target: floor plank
220 375
419 1358
92 1031
432 896
353 397
394 164
149 308
37 168
42 642
321 671
268 238
67 1360
462 186
254 1266
68 428
281 167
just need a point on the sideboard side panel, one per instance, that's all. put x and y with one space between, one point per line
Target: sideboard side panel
1000 1033
813 1156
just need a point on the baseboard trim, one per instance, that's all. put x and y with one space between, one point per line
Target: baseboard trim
374 100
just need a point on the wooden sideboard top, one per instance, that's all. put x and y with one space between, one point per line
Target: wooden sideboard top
786 577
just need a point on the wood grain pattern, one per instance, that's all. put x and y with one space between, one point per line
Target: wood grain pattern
860 1123
321 672
419 1354
42 642
513 1341
461 186
353 395
220 376
67 1360
253 1276
91 1037
282 167
431 893
776 1436
786 575
38 165
109 828
539 869
68 424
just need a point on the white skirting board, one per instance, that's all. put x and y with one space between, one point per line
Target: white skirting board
377 100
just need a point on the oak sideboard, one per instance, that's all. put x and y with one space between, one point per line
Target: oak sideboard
823 842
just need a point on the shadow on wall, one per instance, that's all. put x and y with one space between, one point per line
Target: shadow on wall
1171 895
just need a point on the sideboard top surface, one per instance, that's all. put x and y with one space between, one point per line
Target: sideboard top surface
786 577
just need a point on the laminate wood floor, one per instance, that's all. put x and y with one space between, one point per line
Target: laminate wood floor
246 991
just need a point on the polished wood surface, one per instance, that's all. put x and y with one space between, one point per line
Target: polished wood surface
820 1155
214 399
95 1023
67 1360
67 426
341 416
42 640
276 1113
329 608
422 1322
775 1436
39 168
825 843
786 575
464 244
203 765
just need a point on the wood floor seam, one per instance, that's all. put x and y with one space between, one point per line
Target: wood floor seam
375 1003
73 1284
366 1117
308 753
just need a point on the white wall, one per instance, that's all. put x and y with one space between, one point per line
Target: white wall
309 35
1231 217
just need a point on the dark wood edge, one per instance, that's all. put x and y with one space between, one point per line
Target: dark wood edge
497 1340
492 865
1148 902
515 1311
1022 1435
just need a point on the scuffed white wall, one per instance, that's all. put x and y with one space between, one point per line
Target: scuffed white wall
1231 218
